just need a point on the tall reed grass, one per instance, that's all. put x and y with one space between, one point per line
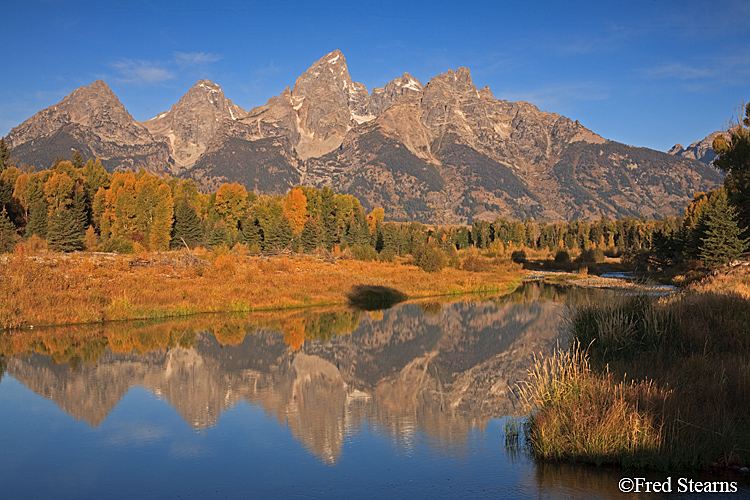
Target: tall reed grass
661 383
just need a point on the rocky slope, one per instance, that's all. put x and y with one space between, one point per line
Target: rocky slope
702 151
193 123
444 152
91 119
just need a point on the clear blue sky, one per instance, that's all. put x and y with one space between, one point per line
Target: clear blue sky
646 73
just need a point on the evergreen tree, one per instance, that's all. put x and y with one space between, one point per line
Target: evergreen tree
722 242
278 234
4 155
63 231
311 236
734 158
252 234
37 220
219 236
187 227
8 233
77 159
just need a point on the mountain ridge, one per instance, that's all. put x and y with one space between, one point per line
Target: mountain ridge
442 152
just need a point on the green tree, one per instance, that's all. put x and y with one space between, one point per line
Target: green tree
77 159
4 155
187 226
8 233
734 158
722 242
63 231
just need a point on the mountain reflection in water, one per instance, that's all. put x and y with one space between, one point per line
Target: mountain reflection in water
441 369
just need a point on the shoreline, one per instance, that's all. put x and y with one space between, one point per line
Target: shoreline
83 288
565 278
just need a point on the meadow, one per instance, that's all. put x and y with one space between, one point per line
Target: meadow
41 288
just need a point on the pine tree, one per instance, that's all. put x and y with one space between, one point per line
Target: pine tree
251 234
187 226
63 231
8 233
721 243
37 220
4 155
311 236
77 159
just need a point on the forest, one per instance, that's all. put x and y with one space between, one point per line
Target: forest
77 205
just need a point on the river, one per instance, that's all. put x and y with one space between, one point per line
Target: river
410 402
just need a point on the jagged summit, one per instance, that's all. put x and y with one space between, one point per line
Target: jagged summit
196 120
93 120
442 151
702 150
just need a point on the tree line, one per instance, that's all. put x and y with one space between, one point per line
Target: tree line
78 205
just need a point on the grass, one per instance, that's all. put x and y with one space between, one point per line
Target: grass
660 383
58 289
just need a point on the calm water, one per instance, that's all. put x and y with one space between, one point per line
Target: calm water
405 403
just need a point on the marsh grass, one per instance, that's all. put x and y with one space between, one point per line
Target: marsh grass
58 289
662 383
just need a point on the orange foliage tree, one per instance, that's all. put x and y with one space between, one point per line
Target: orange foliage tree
295 209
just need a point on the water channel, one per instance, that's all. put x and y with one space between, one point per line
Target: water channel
410 402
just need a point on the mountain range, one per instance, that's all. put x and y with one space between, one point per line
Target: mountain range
444 152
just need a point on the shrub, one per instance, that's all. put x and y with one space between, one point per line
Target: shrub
387 255
594 255
475 263
430 257
518 256
562 256
118 245
366 252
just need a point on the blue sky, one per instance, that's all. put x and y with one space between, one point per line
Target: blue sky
644 73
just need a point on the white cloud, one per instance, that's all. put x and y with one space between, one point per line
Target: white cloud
677 71
141 72
195 58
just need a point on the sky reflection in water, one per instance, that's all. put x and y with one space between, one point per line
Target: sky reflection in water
409 402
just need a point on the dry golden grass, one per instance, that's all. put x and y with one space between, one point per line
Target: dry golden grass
56 289
728 280
665 383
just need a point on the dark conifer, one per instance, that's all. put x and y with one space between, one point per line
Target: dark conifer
187 227
37 220
8 233
64 233
722 242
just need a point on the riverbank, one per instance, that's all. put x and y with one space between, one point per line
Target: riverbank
649 382
606 281
59 289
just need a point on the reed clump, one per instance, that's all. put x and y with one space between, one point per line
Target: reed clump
661 383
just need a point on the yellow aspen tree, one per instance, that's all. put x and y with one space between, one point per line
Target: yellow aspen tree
231 204
295 209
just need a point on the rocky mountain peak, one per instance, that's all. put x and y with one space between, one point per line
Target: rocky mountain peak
383 98
702 150
93 120
194 122
327 103
94 106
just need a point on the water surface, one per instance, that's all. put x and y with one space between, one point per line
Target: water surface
408 402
